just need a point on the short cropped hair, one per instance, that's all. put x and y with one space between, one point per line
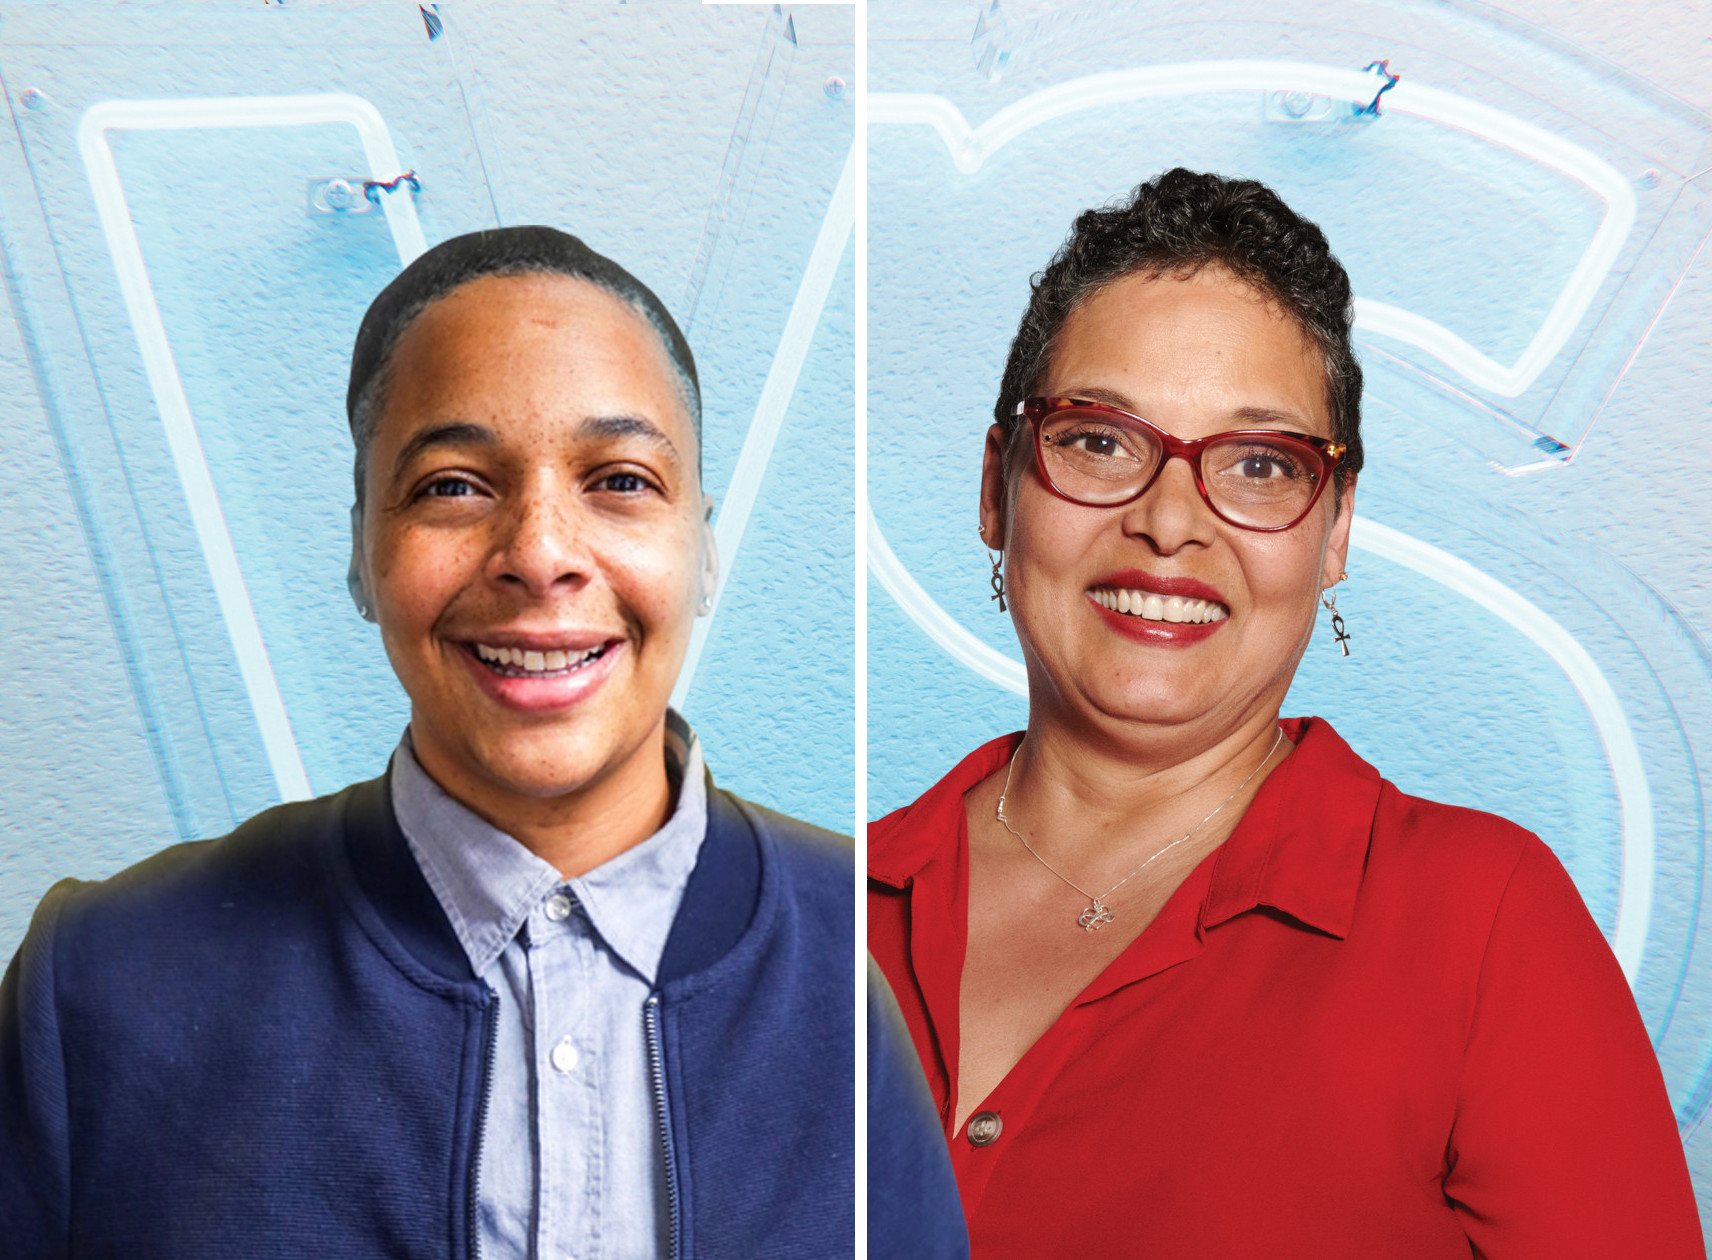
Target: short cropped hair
1174 225
510 251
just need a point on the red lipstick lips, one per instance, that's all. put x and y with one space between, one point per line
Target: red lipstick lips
1159 633
1153 584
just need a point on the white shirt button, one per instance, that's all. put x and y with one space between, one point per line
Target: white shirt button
559 907
565 1055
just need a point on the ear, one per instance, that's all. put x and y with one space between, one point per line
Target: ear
356 577
994 500
709 583
1337 545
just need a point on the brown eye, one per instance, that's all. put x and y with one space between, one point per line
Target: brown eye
448 488
1093 443
627 483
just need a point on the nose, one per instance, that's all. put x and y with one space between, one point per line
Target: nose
542 542
1172 514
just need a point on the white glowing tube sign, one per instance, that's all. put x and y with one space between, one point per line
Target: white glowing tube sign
775 400
206 515
1634 798
971 146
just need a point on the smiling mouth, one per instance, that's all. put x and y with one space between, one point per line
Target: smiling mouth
528 663
1172 608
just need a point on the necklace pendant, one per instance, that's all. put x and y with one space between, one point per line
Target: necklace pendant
1095 917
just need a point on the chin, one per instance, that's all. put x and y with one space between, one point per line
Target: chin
1151 709
546 763
1168 688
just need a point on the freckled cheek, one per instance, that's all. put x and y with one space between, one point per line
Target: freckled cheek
417 572
657 578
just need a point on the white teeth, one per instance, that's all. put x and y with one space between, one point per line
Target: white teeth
1173 608
536 662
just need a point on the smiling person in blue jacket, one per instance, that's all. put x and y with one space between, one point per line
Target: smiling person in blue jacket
540 990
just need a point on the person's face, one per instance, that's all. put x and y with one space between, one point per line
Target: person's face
534 539
1194 356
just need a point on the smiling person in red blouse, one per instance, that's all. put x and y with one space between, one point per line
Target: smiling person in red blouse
1188 979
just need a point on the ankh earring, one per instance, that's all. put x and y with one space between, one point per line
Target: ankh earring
998 578
1328 597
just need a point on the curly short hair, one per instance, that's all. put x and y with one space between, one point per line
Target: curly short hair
1175 224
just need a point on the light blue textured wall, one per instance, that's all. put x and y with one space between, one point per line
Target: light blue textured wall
1528 593
699 145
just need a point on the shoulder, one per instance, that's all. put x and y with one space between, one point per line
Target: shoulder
805 838
1415 870
909 837
1466 850
1415 820
1416 847
191 894
803 852
1477 885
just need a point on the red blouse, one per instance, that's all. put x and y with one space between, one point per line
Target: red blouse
1366 1025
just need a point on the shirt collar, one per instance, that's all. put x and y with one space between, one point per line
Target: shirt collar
908 839
489 883
1300 848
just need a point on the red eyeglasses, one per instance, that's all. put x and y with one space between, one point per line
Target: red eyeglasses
1099 456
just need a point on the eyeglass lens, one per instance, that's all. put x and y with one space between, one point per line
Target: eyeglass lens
1098 458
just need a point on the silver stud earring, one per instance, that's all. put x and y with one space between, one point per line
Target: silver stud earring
353 575
359 596
707 603
1328 597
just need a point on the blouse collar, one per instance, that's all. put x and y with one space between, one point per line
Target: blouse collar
1300 848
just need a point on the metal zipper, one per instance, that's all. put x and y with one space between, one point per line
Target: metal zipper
490 1048
657 1073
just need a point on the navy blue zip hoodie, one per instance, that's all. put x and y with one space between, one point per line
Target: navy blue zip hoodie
271 1045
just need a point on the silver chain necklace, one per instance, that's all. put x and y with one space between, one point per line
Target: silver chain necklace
1098 913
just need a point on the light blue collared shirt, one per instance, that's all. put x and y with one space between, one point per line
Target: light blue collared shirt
571 1164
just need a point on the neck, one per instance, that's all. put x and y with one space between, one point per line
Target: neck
1084 796
574 831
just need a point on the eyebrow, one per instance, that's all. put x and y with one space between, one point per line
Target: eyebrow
1110 397
465 433
1272 418
623 426
453 433
1268 417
